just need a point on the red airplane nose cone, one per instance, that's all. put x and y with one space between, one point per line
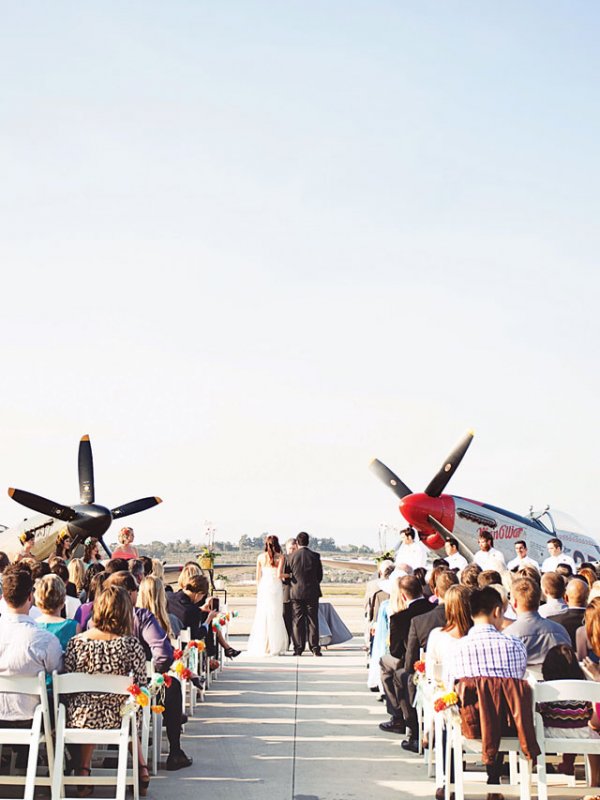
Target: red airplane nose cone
416 508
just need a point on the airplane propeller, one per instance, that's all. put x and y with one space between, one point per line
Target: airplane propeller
86 518
426 509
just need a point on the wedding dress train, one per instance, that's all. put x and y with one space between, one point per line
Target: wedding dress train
268 636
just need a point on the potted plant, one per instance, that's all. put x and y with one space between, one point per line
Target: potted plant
221 582
206 558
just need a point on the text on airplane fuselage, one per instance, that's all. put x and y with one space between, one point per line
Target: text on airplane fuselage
504 531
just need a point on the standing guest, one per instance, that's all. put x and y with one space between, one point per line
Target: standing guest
25 649
64 542
91 551
556 556
77 577
27 540
538 635
290 548
577 592
306 573
125 548
412 551
455 560
521 559
108 648
50 598
488 557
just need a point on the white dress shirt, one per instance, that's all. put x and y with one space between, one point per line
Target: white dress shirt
456 561
25 649
519 563
492 559
552 562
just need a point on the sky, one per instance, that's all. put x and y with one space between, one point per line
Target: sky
249 246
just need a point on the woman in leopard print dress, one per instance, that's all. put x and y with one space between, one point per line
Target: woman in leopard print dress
107 648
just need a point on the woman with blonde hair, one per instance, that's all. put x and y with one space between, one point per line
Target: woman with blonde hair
125 548
158 570
151 596
77 576
50 597
381 638
189 570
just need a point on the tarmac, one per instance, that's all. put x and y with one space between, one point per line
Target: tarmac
291 728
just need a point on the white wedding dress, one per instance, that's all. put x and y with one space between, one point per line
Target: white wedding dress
268 636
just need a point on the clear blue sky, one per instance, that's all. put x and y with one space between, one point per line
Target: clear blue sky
247 246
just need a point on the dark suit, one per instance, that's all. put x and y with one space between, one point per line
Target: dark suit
571 619
418 634
394 678
305 589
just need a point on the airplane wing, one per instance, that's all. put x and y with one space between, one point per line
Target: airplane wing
356 565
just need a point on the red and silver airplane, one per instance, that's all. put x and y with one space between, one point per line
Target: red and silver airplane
435 515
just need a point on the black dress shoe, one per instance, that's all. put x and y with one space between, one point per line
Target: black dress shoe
178 761
393 726
317 653
412 745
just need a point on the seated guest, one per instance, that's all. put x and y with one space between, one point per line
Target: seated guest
537 634
152 596
487 577
77 577
25 649
147 562
422 625
381 635
158 649
553 589
136 567
577 592
109 648
568 719
470 575
125 548
50 598
529 572
92 570
487 652
71 602
588 573
116 565
442 640
190 568
565 570
194 609
84 612
588 633
158 570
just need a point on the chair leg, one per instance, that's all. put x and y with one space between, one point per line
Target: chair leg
513 774
459 791
542 777
58 789
524 778
34 746
122 762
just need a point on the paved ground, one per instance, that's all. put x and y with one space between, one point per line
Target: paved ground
294 729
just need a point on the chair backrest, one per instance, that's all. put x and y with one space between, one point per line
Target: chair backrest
185 635
24 684
553 691
75 682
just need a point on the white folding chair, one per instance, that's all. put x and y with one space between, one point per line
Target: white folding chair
39 733
558 691
188 690
152 723
123 736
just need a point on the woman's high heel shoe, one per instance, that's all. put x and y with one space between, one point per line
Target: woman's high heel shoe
230 652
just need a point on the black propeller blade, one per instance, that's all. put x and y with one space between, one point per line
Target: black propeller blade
132 508
42 505
86 471
448 468
386 475
441 529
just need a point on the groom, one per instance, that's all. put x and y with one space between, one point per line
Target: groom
306 576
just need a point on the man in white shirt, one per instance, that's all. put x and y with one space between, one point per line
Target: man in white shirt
25 649
556 557
522 559
488 557
412 551
453 557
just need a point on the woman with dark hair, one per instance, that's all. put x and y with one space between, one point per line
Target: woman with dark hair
27 540
269 636
107 648
91 551
442 641
63 545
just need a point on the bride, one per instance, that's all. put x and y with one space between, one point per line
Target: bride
269 636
